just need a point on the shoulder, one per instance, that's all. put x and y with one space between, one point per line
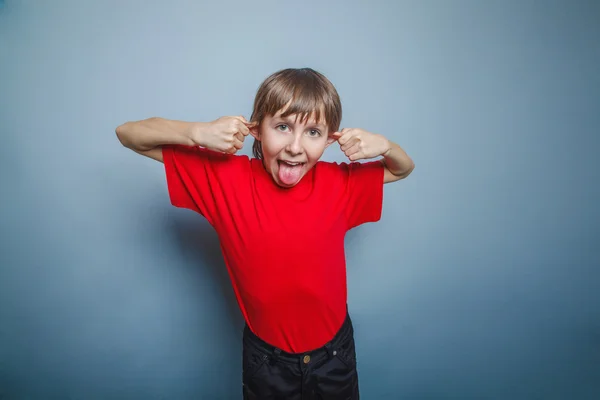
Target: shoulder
203 154
331 176
201 162
345 169
331 167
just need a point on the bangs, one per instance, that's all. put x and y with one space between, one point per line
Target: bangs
303 101
304 93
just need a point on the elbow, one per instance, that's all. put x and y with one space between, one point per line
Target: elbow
410 170
131 134
407 172
121 132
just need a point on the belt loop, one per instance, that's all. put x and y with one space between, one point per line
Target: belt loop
276 354
329 349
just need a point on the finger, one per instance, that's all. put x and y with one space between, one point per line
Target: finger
240 127
242 121
238 144
251 125
244 130
357 156
232 149
239 136
349 144
344 138
352 150
334 137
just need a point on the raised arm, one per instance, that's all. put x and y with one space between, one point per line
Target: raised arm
146 137
359 144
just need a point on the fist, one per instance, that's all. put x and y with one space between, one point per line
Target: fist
225 135
358 144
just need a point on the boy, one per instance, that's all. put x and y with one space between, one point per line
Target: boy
281 218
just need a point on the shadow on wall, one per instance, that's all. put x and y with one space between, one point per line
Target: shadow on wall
219 330
199 243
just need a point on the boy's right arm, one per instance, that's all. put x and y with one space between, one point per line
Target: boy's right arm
146 137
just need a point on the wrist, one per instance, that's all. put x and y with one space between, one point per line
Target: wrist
196 133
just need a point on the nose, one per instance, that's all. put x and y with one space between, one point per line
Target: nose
294 147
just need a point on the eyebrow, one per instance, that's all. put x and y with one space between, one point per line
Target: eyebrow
290 121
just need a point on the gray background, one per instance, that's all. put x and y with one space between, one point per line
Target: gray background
480 282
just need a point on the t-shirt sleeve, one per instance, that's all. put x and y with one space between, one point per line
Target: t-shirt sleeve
363 191
200 179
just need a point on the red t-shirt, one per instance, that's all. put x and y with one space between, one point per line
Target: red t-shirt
283 248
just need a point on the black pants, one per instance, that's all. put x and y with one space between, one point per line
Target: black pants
325 373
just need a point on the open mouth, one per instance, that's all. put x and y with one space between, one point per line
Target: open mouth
291 164
290 172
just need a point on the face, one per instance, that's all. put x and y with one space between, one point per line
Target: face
291 146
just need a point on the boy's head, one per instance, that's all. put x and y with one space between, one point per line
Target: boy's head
295 112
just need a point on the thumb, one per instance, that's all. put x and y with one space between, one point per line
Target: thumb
242 119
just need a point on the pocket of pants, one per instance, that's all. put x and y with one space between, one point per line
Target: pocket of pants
252 362
347 354
337 378
348 361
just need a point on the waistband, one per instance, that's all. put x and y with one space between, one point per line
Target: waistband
344 334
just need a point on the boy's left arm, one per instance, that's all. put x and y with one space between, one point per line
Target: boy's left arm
359 144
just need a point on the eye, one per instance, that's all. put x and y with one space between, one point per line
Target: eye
282 127
314 133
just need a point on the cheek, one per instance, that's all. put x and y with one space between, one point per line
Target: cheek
272 144
315 149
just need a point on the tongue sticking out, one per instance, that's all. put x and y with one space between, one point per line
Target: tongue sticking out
289 174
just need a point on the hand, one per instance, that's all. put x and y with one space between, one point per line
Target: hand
225 134
359 144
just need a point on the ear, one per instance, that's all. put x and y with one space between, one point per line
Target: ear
333 137
253 127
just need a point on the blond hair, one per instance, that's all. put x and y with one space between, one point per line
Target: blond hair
306 93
